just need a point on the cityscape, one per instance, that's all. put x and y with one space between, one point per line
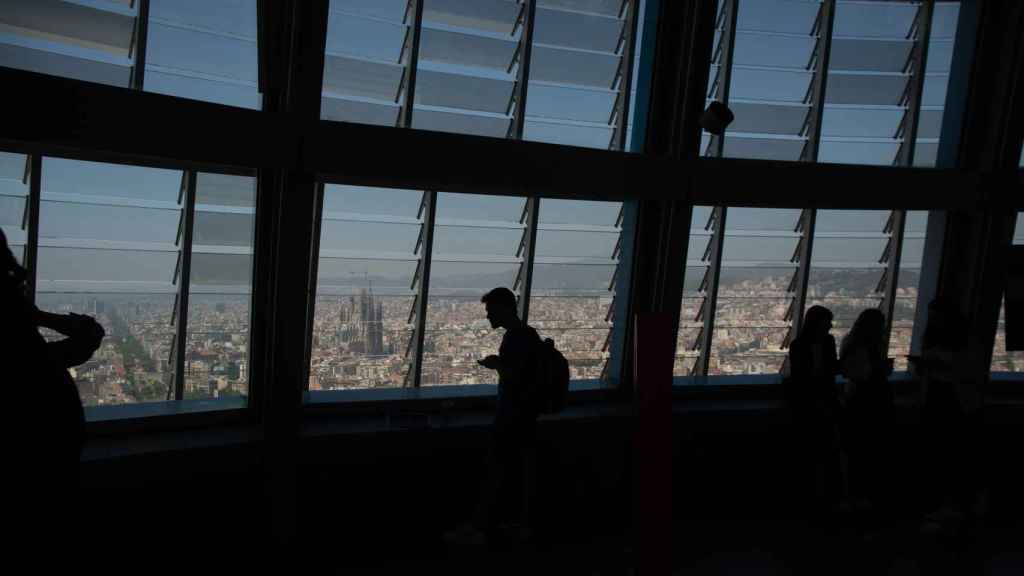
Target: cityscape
134 362
361 340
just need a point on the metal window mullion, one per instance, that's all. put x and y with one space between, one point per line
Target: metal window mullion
529 253
523 72
824 48
711 299
725 69
405 120
430 201
141 42
314 267
905 155
888 303
626 75
809 217
184 279
32 241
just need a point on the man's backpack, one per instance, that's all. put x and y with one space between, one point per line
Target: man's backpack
552 390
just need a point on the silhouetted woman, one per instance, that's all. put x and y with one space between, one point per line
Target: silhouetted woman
814 402
864 363
43 405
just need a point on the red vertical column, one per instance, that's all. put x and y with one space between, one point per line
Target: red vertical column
654 347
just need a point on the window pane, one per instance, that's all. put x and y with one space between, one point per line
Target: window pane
369 256
845 269
870 69
690 322
365 61
217 343
86 41
1003 360
573 280
468 62
466 70
773 47
476 248
14 200
107 247
204 51
575 87
753 291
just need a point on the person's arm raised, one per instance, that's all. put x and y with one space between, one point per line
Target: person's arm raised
84 336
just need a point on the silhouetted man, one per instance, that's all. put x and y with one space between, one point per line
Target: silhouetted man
43 405
516 417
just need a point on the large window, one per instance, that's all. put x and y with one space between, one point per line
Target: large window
847 82
853 93
751 273
401 273
199 49
162 259
460 66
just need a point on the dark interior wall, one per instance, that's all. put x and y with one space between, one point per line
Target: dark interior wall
360 494
365 493
172 502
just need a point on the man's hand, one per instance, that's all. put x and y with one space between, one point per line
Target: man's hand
75 325
493 362
87 326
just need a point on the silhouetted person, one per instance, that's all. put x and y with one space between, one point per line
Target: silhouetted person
43 404
814 402
950 413
864 363
515 421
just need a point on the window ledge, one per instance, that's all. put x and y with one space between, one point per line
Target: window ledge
122 446
157 409
375 395
425 395
407 421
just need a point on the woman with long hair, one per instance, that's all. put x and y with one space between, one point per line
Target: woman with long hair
864 363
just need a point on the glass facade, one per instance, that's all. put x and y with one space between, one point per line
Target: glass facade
113 244
197 49
460 66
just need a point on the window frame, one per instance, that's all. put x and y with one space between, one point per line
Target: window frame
112 418
87 121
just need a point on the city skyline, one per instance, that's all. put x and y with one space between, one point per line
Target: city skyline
349 352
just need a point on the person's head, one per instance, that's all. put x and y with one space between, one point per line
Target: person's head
867 331
817 322
12 275
501 307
